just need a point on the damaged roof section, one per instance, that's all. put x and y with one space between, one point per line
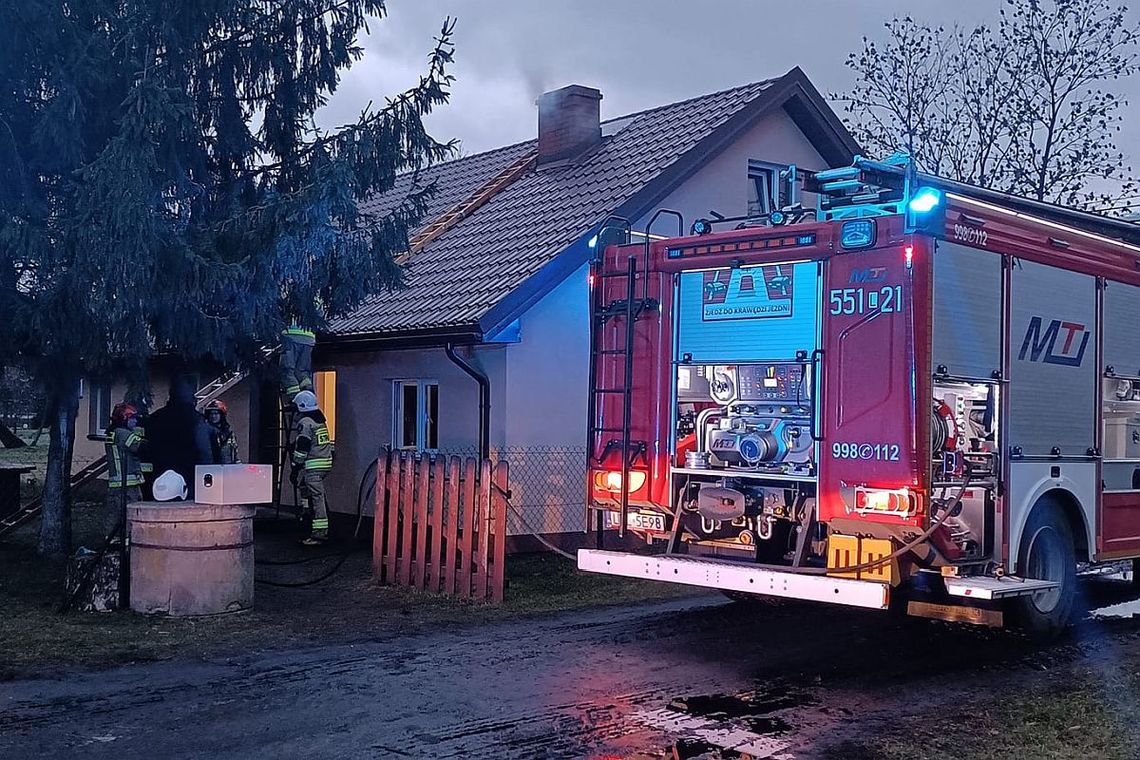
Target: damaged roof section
496 258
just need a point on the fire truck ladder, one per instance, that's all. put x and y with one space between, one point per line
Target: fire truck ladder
92 471
631 308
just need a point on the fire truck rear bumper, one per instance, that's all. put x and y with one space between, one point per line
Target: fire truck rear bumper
735 576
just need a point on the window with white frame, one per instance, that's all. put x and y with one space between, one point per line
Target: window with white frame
98 408
767 190
415 414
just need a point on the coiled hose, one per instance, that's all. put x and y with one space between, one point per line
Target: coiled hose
341 556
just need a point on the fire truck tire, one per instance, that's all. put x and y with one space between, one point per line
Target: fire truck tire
1047 553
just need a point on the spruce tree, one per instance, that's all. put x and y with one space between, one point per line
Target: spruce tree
164 188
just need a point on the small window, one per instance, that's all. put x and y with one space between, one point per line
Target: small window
766 188
416 414
98 408
324 386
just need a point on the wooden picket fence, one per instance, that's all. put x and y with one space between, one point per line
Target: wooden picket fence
441 524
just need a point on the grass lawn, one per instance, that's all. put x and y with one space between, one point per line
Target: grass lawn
1053 720
349 606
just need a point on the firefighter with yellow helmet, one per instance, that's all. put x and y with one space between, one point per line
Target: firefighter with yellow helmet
123 443
312 461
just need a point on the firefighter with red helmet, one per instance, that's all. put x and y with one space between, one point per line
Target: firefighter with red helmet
223 442
123 443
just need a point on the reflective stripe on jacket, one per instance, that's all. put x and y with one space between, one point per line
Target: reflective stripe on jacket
122 447
312 445
299 335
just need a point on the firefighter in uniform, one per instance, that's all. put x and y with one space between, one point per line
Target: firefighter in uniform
123 444
223 442
296 360
312 461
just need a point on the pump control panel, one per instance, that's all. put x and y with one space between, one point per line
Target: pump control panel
780 383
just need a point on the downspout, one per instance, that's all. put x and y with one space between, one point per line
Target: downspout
484 398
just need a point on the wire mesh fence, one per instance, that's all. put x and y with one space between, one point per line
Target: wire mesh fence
548 487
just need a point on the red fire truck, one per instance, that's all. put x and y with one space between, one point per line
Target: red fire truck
917 393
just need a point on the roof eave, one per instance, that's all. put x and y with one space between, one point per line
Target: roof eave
384 340
819 122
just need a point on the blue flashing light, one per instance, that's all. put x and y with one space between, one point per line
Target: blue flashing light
857 233
926 199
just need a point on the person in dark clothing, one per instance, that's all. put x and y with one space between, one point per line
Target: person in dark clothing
177 437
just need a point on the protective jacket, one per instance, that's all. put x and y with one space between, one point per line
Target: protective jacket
312 445
123 447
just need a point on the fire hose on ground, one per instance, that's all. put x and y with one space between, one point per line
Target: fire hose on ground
341 556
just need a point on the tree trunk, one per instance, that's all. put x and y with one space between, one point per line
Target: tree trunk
55 525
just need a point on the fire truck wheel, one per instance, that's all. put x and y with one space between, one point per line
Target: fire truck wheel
1047 553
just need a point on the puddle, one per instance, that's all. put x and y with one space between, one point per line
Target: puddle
744 726
753 709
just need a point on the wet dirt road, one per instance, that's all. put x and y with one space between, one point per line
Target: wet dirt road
697 677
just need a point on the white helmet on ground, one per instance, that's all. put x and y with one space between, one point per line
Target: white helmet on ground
169 486
305 401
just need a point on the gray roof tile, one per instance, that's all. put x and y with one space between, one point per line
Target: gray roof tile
456 279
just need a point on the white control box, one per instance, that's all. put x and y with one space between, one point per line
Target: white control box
233 483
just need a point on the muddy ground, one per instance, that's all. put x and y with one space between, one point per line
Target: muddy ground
679 678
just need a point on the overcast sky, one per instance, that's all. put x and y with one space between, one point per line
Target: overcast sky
639 53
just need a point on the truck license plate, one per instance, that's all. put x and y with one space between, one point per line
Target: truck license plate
649 522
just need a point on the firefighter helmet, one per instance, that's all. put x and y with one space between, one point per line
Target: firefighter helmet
217 405
123 412
169 486
305 401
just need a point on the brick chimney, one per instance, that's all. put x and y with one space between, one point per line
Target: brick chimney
569 124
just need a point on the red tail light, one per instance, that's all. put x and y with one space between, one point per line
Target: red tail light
610 480
883 501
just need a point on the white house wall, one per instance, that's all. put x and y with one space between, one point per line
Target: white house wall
722 184
546 398
364 390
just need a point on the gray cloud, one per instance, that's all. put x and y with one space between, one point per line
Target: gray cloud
640 53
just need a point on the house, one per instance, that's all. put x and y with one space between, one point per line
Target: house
488 346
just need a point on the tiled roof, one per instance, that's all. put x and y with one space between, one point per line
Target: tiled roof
467 271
